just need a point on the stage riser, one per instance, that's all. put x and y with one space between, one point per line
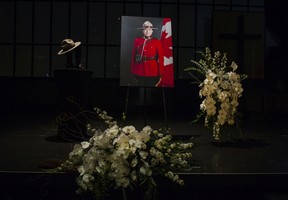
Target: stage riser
46 186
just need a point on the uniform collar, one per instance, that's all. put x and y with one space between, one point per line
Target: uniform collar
147 38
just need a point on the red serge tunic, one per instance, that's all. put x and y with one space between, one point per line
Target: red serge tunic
148 60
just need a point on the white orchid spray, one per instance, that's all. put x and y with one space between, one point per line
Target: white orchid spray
220 89
122 157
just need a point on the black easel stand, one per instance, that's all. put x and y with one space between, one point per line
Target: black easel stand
145 105
164 105
126 105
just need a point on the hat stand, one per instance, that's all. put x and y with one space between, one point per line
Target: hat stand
69 62
73 91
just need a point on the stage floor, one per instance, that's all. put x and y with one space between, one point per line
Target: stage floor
254 169
27 142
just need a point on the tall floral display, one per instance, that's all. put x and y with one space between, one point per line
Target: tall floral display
220 89
123 157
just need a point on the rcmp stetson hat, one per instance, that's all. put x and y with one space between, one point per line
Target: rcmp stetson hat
147 24
68 45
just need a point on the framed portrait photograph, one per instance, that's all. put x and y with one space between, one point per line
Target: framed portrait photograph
146 52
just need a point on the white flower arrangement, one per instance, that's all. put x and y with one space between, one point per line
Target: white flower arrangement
220 91
121 157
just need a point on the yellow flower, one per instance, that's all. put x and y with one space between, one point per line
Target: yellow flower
122 141
85 144
225 105
222 115
223 95
234 66
231 121
128 129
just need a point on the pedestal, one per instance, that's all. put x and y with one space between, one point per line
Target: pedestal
73 89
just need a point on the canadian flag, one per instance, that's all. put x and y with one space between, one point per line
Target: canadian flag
166 40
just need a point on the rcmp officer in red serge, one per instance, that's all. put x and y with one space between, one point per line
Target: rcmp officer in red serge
147 58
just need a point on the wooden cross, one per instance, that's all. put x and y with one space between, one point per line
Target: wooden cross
240 36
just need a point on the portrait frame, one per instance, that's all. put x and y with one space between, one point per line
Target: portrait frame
144 76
